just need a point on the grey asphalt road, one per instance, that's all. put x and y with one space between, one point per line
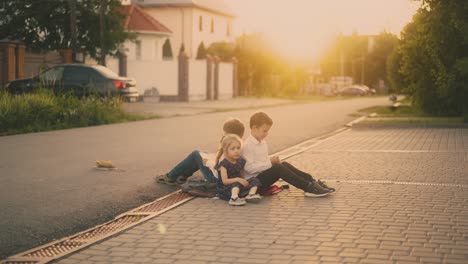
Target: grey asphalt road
49 187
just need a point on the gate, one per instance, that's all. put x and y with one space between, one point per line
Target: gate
35 62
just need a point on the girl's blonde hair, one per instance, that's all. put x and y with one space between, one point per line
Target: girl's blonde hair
226 141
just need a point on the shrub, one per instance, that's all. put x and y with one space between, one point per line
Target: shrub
201 52
43 111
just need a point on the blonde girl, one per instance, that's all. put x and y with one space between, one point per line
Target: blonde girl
229 168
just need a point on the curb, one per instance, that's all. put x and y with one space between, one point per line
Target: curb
376 125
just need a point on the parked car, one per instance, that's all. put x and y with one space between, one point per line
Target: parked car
368 90
353 90
78 79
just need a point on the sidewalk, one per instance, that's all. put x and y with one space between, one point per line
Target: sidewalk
401 198
168 109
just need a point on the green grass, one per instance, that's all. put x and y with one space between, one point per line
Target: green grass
388 111
417 120
44 111
316 98
405 113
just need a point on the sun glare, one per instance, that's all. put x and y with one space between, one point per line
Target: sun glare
302 29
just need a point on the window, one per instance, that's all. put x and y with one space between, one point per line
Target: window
212 25
138 50
200 23
51 76
228 29
81 74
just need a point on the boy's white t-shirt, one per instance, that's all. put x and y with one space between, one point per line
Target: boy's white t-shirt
211 161
256 156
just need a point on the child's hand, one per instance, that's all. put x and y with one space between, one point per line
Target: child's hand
244 182
275 160
204 162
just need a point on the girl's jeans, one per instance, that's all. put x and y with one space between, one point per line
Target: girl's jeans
190 165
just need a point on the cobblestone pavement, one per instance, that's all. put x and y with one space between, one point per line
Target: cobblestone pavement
401 198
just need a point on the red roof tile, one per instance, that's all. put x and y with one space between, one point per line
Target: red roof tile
138 20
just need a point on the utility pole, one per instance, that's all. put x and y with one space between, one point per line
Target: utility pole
72 6
102 13
341 64
362 69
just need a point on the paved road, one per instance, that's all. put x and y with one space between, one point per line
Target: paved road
49 189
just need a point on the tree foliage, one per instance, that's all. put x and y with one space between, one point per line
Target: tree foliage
260 70
201 51
45 25
394 75
434 57
223 50
167 49
353 56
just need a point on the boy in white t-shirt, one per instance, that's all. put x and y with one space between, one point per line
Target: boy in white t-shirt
270 169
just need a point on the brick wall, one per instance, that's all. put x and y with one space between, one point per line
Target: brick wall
16 63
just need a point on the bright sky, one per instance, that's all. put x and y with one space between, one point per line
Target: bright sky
301 28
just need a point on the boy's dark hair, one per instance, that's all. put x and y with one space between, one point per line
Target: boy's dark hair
259 119
234 126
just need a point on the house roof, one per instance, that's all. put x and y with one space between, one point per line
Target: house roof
216 6
138 20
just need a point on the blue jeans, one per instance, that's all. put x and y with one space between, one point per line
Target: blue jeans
190 165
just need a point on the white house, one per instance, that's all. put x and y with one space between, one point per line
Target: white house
144 56
182 79
192 21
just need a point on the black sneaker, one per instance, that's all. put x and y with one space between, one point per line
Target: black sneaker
165 179
181 180
324 185
315 190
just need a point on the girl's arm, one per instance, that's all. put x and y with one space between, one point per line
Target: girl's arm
227 181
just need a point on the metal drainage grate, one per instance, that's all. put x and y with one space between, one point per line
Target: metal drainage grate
85 238
163 203
20 262
57 249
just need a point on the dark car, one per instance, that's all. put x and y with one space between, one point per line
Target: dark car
78 79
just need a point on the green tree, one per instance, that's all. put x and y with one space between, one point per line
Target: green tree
182 48
167 49
434 52
257 65
394 75
352 56
201 51
47 25
376 60
224 50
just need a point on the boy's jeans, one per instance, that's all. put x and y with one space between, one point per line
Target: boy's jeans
190 165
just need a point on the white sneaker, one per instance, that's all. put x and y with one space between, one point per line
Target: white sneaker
309 194
253 198
237 201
